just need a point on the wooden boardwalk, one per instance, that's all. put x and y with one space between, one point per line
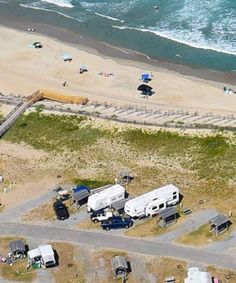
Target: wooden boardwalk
127 113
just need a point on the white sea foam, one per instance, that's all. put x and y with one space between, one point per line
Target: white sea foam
108 17
174 37
60 3
49 10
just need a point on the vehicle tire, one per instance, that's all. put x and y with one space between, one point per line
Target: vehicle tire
95 221
127 226
107 229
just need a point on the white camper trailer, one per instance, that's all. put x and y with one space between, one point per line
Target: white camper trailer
197 276
152 202
105 198
43 255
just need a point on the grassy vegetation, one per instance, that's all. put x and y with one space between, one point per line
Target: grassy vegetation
166 267
1 116
212 157
105 265
202 236
203 167
53 132
163 141
1 207
224 275
45 212
69 270
88 224
93 184
149 228
16 272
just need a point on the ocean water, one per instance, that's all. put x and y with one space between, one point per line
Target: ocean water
199 33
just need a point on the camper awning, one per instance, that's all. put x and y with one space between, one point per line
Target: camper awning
77 196
219 220
120 204
169 211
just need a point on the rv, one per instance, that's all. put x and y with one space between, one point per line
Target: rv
197 276
105 198
152 202
43 256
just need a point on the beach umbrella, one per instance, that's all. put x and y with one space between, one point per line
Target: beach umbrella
144 88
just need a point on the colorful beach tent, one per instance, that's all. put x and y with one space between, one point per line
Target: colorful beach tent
146 77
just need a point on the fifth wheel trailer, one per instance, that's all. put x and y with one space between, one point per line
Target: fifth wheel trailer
152 202
105 198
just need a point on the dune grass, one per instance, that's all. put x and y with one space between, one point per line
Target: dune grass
53 132
212 157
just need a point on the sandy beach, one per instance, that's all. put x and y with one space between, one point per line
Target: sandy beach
25 69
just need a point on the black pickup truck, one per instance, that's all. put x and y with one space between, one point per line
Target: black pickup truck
117 222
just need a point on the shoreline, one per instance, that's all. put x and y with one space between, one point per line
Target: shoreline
130 57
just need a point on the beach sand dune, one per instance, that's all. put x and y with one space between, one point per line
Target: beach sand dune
25 69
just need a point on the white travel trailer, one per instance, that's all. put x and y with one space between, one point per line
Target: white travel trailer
152 202
197 276
43 255
105 198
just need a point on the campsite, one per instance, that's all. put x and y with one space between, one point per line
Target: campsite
110 170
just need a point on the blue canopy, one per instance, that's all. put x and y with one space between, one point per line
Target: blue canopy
81 188
145 76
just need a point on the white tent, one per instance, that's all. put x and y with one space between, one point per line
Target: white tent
197 276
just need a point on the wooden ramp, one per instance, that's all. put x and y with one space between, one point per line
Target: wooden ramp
9 120
72 99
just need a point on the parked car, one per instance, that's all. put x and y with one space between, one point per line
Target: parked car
117 222
101 215
62 194
61 210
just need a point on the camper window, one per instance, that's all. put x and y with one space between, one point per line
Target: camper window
174 193
161 205
154 207
174 197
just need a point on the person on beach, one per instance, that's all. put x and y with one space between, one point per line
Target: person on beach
65 83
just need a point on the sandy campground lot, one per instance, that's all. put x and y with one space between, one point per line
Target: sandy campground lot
32 69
